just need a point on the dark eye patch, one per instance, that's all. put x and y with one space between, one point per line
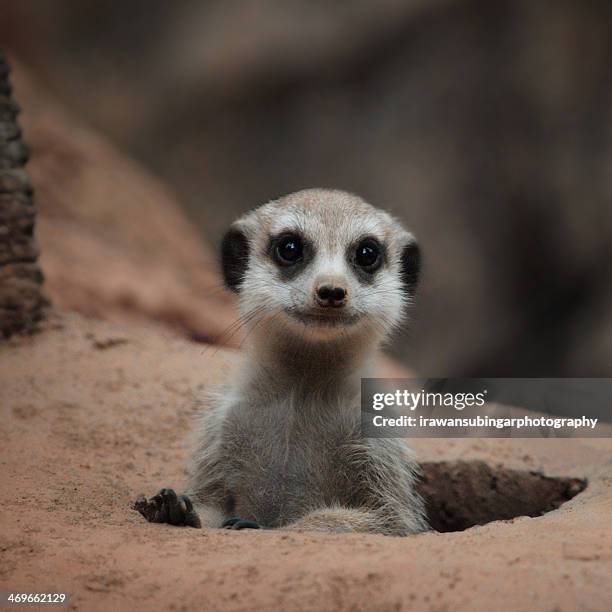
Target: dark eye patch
366 256
288 250
291 252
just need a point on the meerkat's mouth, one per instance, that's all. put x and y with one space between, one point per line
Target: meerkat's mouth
323 318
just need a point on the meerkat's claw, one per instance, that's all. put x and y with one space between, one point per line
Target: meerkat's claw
239 523
168 507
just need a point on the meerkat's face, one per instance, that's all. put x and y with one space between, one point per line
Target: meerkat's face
321 264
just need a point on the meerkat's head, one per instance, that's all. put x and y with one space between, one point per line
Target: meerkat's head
321 264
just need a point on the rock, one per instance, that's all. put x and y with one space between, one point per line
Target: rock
21 300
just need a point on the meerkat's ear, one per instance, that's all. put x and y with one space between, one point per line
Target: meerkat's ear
410 262
234 256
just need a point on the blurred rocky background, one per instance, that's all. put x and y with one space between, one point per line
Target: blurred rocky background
485 126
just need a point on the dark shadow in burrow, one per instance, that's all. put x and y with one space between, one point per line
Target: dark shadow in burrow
461 494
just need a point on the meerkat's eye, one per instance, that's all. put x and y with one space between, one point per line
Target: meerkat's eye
368 255
289 250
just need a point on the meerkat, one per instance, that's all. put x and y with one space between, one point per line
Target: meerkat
323 278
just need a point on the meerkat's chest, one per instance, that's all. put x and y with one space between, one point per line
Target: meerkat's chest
280 465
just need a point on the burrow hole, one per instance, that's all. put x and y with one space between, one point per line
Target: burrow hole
461 494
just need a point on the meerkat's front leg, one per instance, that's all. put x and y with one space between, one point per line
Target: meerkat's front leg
179 510
168 507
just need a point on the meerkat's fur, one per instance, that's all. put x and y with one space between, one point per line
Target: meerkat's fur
323 278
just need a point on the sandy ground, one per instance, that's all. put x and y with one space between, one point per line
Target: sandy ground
94 413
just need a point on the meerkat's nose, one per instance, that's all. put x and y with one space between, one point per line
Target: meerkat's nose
330 295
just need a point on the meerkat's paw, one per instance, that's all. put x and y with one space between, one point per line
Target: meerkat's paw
168 507
239 523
